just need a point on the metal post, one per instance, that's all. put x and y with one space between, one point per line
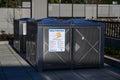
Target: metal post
31 8
72 7
47 9
119 30
7 3
86 2
97 9
21 3
59 7
109 11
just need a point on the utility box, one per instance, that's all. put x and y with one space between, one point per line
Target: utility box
20 32
52 44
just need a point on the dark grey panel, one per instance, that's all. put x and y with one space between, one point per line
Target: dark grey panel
86 47
19 38
56 59
31 44
16 35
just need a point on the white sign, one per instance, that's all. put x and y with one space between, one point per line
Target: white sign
24 28
56 40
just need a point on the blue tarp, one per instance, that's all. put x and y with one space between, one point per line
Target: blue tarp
26 19
83 22
80 22
48 21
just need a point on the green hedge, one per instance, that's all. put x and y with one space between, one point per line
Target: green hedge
112 51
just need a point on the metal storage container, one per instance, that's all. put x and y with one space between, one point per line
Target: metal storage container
20 27
74 43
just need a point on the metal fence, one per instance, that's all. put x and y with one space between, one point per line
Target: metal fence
112 32
113 29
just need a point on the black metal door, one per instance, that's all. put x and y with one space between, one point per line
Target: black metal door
16 36
31 45
86 51
56 58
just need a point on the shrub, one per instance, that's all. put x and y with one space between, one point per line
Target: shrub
112 51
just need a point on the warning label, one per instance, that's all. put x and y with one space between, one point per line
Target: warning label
56 40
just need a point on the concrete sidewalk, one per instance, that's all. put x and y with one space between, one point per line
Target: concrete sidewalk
14 67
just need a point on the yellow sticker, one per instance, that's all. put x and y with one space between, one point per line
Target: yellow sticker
58 34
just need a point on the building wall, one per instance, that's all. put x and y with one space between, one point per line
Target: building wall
8 14
39 9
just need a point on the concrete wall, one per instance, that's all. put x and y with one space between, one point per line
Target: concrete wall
108 10
79 10
8 14
83 10
66 10
91 11
39 9
53 10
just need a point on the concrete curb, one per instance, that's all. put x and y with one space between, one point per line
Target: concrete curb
30 71
112 61
20 59
4 42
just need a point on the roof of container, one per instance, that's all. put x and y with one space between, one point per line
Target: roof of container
26 19
83 22
49 21
80 22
